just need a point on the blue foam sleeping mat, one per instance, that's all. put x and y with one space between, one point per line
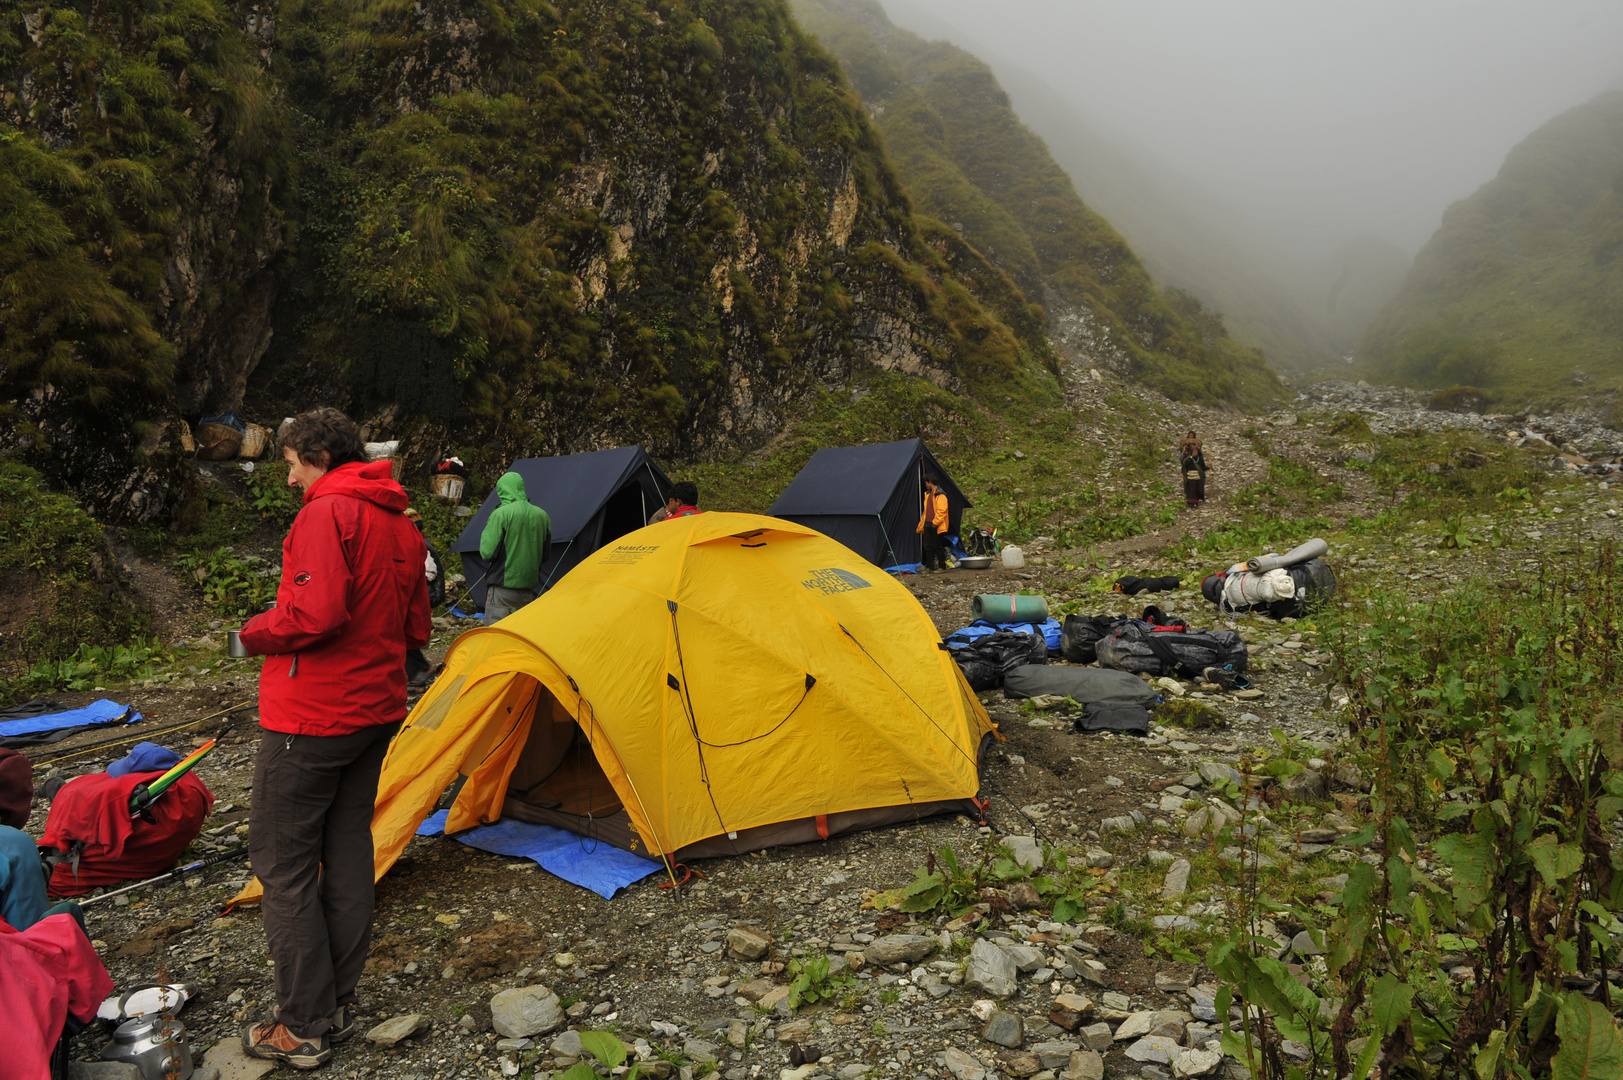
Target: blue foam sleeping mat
591 864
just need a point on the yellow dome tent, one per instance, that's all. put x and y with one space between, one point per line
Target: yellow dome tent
703 686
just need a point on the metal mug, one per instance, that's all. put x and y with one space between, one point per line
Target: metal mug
233 645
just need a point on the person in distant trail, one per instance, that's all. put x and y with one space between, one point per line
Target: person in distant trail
417 665
684 502
1192 460
933 526
351 601
514 544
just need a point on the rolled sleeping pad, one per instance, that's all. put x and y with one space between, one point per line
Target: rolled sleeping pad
1313 549
1000 608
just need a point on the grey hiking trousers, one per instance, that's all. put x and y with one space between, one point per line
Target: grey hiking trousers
310 839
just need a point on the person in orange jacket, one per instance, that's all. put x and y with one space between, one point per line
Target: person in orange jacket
933 526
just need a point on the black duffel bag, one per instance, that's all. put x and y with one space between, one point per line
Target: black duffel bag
1136 646
988 659
1079 635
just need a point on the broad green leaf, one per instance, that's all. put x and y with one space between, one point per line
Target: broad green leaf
1591 1048
1390 1002
1471 857
1608 731
604 1047
1487 1059
582 1071
1554 859
1441 765
1066 909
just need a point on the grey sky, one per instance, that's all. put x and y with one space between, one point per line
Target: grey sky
1316 120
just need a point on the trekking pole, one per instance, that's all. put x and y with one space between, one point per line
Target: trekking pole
224 856
146 794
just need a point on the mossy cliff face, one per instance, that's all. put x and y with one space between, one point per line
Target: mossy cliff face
539 228
969 162
574 225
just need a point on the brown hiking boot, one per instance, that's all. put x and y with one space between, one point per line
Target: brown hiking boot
343 1024
274 1042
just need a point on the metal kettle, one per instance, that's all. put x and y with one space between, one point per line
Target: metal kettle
155 1044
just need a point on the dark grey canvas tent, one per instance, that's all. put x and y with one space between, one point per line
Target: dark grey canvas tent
591 498
869 498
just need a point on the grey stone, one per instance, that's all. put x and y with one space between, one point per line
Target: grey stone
1215 772
1026 850
1351 777
567 1044
853 1071
1005 1029
962 1066
1084 1065
1097 1036
531 1010
1306 785
1154 1048
747 943
1191 1063
1055 1053
1202 1004
504 1045
1176 883
1304 945
792 1031
898 948
1124 824
991 969
1137 1026
700 1050
204 1072
396 1028
1100 859
1026 958
1113 1000
108 1070
1173 922
227 1056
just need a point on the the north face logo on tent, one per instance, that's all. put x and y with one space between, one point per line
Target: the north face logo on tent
834 580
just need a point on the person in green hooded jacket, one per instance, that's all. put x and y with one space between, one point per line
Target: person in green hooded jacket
515 543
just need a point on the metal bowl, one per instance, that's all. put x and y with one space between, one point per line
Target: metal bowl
975 562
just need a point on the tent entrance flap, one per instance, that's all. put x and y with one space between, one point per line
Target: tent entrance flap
557 770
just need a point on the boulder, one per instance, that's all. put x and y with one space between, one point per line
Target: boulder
1176 883
1215 772
1192 1063
1305 786
1055 1053
1303 944
991 969
532 1010
1005 1029
1084 1065
1026 958
396 1028
1157 1049
1068 1011
897 948
962 1066
747 943
1026 850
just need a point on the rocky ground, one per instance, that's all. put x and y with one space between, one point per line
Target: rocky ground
484 966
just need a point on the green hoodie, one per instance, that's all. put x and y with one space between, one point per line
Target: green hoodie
518 530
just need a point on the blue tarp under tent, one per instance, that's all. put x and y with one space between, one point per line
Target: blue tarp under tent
592 499
870 498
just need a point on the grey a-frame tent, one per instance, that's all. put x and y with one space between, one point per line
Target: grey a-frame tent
591 498
869 498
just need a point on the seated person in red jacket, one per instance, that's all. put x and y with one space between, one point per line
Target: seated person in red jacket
684 502
352 600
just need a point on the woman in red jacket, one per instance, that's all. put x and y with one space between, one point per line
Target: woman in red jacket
352 600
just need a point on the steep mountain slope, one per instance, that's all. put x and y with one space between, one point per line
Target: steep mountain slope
1305 314
1520 291
516 228
969 162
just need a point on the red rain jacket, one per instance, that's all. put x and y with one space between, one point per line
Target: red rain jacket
46 972
95 809
352 600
